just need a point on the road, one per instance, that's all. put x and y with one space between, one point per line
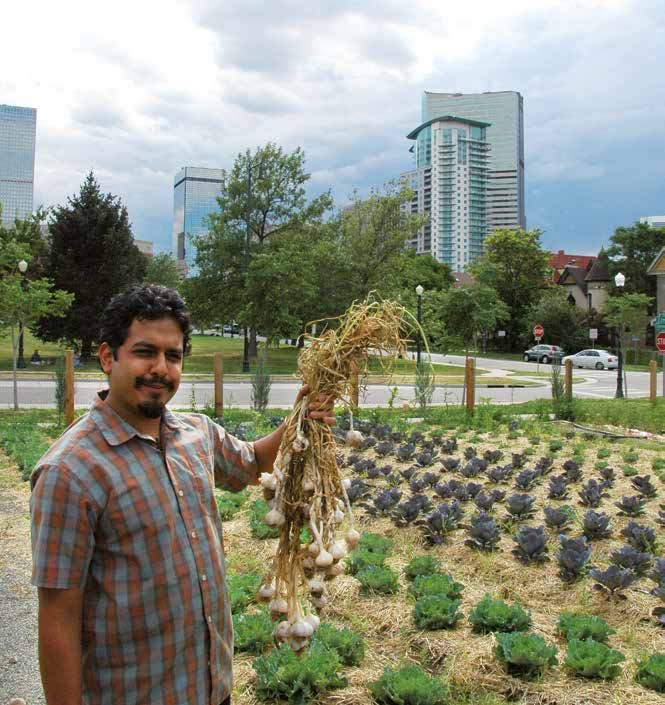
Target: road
596 385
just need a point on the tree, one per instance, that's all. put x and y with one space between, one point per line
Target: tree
628 314
276 206
564 323
163 269
631 252
516 266
92 255
410 270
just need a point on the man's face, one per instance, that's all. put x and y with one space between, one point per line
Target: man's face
146 373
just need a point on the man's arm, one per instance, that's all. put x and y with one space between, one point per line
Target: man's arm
60 619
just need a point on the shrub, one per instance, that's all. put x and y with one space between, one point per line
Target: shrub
524 654
421 565
531 545
252 632
242 590
583 626
375 543
261 384
378 579
491 615
603 453
408 686
651 672
592 659
555 446
258 528
229 503
284 675
437 584
349 646
362 559
436 612
630 457
629 471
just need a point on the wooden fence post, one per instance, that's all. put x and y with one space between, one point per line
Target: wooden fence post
653 376
219 384
569 379
69 386
470 384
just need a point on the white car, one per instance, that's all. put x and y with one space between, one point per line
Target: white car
594 359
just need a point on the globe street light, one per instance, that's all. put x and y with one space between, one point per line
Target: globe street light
419 291
619 281
20 362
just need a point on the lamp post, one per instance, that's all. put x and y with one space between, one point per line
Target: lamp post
419 291
20 363
619 281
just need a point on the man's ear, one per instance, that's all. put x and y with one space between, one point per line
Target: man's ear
106 358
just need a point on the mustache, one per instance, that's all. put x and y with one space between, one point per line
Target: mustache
142 381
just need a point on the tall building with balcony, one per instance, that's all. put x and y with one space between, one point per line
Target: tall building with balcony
653 221
504 111
195 191
18 129
450 183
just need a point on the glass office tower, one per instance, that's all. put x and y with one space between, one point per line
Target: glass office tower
505 113
450 183
195 191
18 128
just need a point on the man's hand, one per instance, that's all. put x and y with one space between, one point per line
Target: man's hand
320 407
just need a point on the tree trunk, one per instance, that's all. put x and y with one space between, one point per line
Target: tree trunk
86 348
253 345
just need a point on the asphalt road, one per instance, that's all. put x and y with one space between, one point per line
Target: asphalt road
596 385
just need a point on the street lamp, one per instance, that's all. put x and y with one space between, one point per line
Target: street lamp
619 281
20 362
419 291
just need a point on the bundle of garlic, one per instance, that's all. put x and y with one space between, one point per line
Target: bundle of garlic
305 488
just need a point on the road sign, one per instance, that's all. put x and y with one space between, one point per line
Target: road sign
501 334
538 331
659 322
660 342
593 333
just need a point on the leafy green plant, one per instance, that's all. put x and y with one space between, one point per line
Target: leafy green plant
349 646
421 565
378 579
491 615
436 612
258 528
658 464
252 632
437 584
600 464
284 675
651 672
583 626
555 446
524 654
603 453
593 659
229 503
630 456
362 559
535 440
375 543
629 471
408 686
241 590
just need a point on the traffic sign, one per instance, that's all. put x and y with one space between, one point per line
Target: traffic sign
660 342
659 322
593 333
502 334
538 331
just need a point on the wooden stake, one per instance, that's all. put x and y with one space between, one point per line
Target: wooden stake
569 379
219 384
69 386
653 377
470 384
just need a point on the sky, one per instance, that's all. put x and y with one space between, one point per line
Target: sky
136 90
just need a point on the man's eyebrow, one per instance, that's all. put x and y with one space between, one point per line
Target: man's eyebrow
152 346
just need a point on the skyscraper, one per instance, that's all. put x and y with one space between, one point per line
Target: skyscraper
450 183
195 191
18 128
504 111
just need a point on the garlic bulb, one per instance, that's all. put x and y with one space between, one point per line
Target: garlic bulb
354 438
278 606
281 632
346 482
338 516
332 571
274 518
301 630
313 620
268 480
352 539
300 444
316 587
337 551
308 486
324 559
319 602
298 644
267 592
314 548
308 563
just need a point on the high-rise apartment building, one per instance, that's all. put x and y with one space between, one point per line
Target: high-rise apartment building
18 128
653 221
195 191
504 112
450 184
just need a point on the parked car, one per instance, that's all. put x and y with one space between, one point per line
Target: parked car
594 359
543 353
231 329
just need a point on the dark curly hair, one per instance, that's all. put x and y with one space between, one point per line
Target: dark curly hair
145 303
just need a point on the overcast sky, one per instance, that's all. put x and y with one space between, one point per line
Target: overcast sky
135 90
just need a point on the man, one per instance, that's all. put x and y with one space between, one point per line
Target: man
127 541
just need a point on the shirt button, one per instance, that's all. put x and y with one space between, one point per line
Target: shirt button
204 577
181 493
209 619
193 534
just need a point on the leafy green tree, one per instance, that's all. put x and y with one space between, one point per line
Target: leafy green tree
409 270
92 255
162 269
631 252
628 314
516 266
565 324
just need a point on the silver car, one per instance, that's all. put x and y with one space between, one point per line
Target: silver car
594 359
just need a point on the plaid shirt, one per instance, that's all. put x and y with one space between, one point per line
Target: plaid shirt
138 526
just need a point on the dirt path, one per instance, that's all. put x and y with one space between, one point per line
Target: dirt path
19 668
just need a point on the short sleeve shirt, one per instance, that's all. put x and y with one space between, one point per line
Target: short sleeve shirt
137 526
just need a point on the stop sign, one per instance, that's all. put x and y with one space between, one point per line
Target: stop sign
660 342
538 331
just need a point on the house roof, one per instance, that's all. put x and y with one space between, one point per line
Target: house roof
598 271
561 259
575 276
658 265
